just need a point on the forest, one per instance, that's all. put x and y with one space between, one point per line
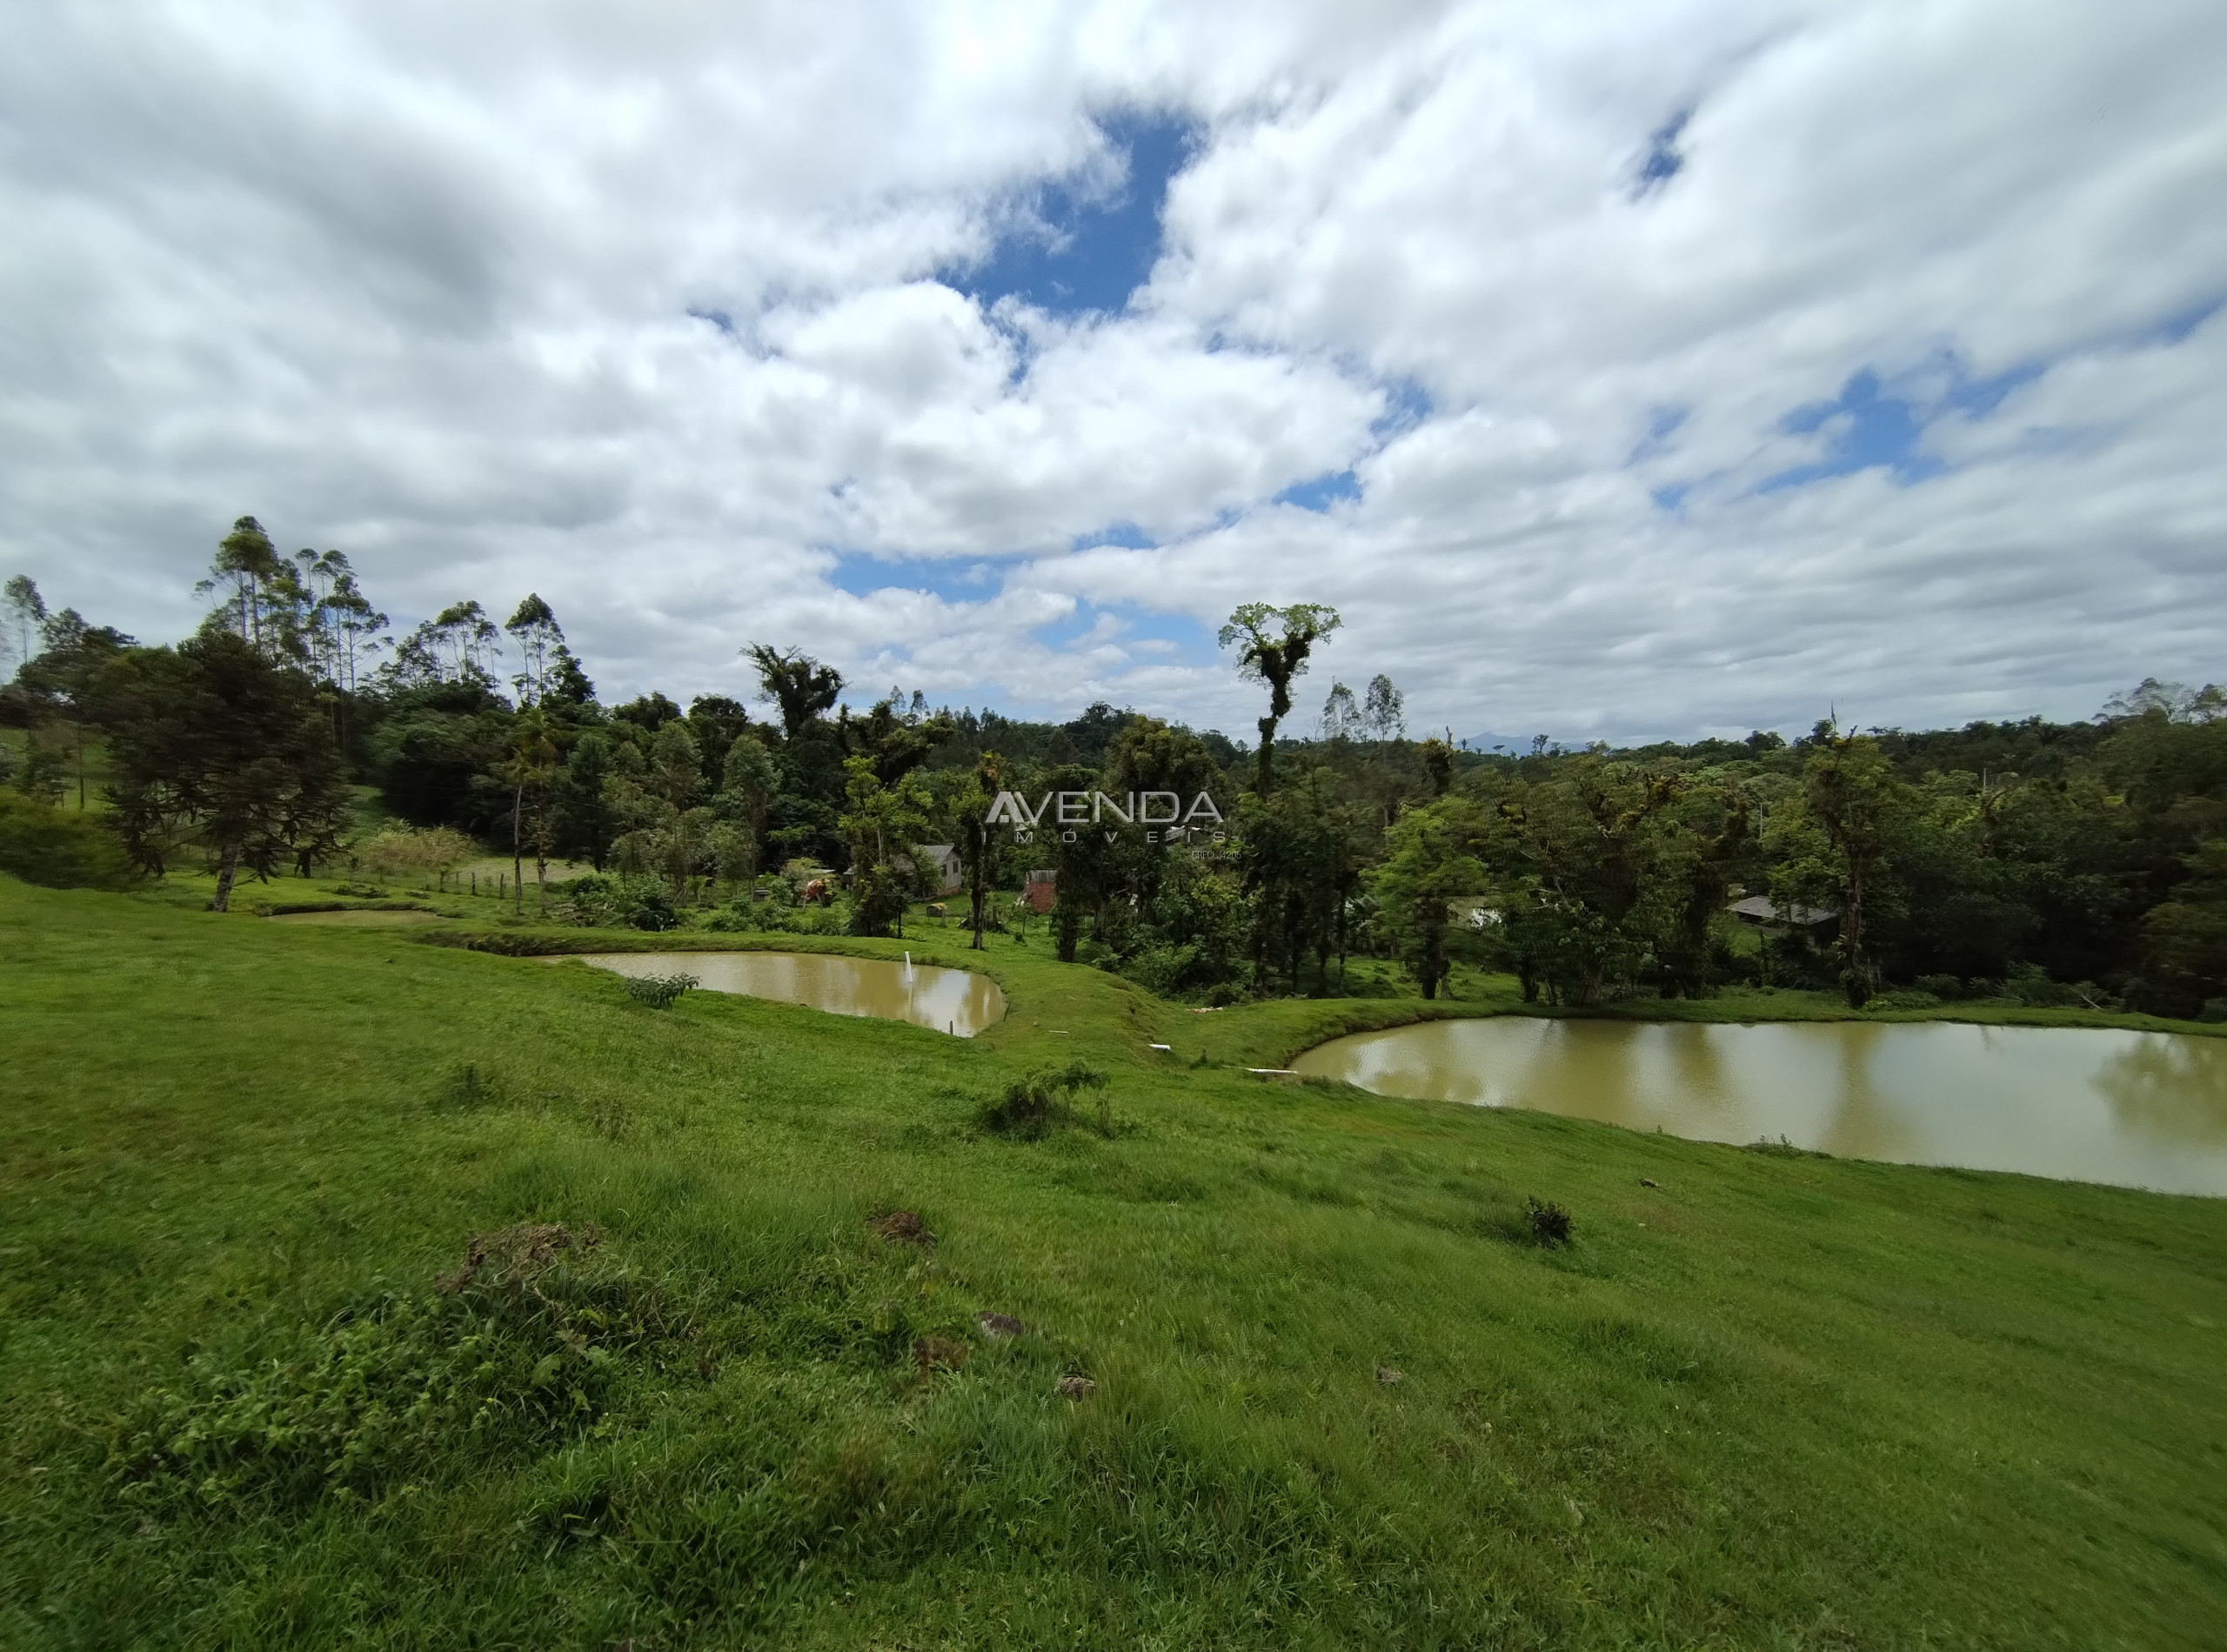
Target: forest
2041 862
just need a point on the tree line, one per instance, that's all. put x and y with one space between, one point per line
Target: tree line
2057 862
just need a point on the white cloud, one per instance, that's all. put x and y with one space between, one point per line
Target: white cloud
641 310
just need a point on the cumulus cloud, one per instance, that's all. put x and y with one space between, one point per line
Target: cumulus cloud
1619 369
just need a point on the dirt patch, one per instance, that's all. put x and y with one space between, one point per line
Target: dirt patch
903 1228
517 1256
1074 1387
999 1326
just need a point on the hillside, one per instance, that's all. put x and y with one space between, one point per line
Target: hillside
682 1394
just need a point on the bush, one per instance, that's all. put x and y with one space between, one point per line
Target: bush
658 992
1901 997
1044 1100
2031 987
1947 988
610 901
1550 1223
399 852
60 850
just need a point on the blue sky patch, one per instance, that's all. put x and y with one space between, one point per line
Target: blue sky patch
1319 493
1128 535
1070 249
1664 160
1663 422
1875 431
2178 326
1405 406
953 579
1876 428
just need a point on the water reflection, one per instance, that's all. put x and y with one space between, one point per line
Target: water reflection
2140 1109
950 1001
2170 1087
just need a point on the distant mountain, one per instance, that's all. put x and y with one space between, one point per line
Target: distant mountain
1514 744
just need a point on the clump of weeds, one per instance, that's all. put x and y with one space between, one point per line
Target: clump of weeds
1045 1100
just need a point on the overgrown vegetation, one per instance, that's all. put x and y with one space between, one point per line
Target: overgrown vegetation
658 992
1045 1100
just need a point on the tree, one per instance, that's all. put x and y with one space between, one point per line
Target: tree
354 628
1384 714
2184 939
1341 717
1716 838
717 722
675 764
458 645
532 764
1580 860
1432 858
1273 647
884 824
27 609
801 685
585 821
1842 840
215 742
534 626
981 844
749 785
59 687
1438 765
258 590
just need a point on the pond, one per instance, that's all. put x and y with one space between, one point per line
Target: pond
950 1001
2138 1109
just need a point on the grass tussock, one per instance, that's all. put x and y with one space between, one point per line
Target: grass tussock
1032 1107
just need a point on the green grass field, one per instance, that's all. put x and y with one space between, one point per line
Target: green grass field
253 1397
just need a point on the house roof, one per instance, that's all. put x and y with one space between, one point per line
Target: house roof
1764 910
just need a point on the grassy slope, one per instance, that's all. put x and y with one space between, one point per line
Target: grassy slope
1774 1401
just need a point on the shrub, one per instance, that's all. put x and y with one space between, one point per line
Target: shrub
767 918
2031 986
1901 997
402 852
658 992
1944 988
611 900
1550 1223
1043 1100
43 844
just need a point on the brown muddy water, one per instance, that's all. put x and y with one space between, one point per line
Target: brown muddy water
950 1001
2078 1104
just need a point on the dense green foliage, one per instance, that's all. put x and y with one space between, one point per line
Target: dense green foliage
361 1292
2029 861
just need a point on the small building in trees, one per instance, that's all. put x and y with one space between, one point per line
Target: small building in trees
1039 889
942 863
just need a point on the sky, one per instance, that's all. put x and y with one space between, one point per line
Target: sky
1620 370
